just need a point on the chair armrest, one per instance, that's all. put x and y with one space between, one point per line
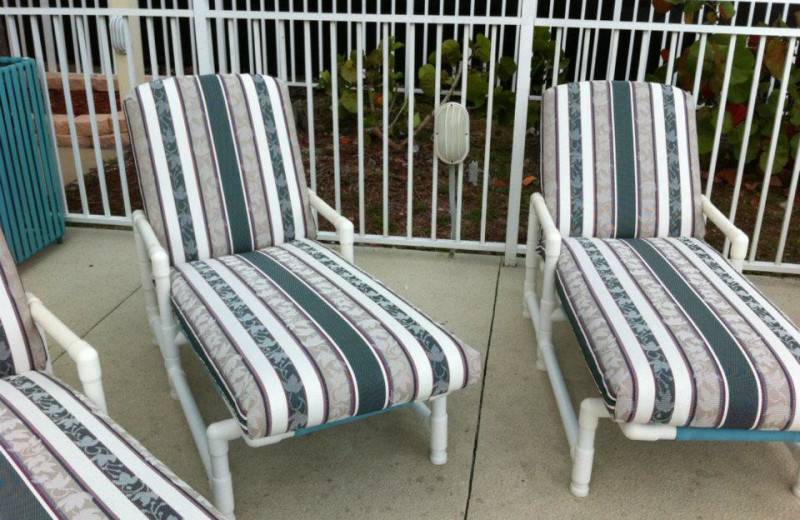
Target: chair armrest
739 239
84 356
552 237
344 228
159 258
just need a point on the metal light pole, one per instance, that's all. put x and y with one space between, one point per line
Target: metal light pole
451 140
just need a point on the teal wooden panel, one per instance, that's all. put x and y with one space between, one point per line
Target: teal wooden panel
31 204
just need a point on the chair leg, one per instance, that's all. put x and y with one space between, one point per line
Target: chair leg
796 487
219 436
583 452
438 423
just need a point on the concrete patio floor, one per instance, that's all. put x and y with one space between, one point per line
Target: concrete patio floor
508 455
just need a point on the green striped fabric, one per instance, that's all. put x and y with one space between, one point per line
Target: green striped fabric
674 335
21 346
61 457
219 164
619 160
295 337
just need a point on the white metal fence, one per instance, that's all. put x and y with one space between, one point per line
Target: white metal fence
372 165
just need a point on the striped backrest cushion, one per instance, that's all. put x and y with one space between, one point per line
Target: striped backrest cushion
619 160
219 164
21 346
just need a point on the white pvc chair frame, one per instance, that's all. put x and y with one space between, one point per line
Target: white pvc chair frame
212 441
580 429
84 355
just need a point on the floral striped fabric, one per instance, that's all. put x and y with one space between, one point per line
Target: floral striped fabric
294 337
21 346
60 457
620 160
219 164
674 335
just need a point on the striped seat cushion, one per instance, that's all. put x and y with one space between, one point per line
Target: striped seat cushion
219 164
620 160
295 337
60 457
21 346
674 335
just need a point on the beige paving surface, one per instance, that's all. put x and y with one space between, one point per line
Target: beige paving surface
378 467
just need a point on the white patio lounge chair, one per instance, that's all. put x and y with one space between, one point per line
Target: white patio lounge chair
681 345
293 335
60 454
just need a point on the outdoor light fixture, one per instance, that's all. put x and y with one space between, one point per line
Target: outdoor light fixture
451 140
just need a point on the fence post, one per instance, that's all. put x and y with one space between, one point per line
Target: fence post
528 19
202 38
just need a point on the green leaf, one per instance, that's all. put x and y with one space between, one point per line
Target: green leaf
348 71
349 101
451 52
506 68
477 88
727 123
726 10
417 119
324 81
794 115
781 155
427 79
775 56
705 136
481 48
739 93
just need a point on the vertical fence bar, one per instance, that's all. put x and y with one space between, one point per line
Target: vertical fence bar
488 145
337 168
50 131
437 96
350 27
74 31
776 128
726 81
222 55
520 128
645 50
360 100
748 124
61 45
165 44
596 40
460 181
233 46
102 32
611 67
312 147
787 215
385 113
86 65
177 47
258 56
202 29
193 40
37 49
151 47
698 73
671 58
410 50
580 55
292 50
631 41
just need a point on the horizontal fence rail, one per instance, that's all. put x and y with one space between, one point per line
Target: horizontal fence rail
367 78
